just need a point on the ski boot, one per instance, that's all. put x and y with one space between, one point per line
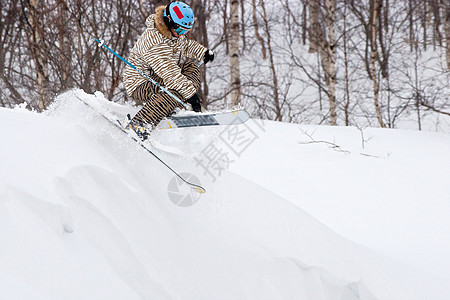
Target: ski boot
138 127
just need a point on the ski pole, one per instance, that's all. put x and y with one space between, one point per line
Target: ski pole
101 43
194 186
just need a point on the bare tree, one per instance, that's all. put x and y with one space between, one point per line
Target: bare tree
328 54
143 10
346 67
446 6
36 43
65 57
256 28
315 29
324 42
200 34
243 31
234 53
276 96
375 12
8 42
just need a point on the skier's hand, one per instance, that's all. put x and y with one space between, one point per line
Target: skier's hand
195 102
209 56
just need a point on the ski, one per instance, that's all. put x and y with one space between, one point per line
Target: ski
233 117
118 125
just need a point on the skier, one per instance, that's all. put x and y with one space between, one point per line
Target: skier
158 53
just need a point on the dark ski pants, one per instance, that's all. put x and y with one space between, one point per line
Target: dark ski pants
159 104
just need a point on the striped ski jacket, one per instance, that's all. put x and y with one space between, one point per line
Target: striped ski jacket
158 51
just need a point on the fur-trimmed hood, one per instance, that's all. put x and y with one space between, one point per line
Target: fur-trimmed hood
157 22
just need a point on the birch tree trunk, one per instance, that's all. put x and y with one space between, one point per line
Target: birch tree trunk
447 31
373 59
234 53
328 54
326 46
37 48
347 81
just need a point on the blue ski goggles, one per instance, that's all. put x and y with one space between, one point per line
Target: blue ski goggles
180 30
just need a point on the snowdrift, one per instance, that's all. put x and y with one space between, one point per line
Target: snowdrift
85 213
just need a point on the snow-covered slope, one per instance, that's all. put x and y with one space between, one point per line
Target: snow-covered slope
85 213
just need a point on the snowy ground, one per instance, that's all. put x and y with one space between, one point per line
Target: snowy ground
291 212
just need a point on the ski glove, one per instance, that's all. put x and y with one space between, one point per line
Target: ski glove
195 102
209 56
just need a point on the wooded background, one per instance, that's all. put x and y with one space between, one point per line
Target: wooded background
364 63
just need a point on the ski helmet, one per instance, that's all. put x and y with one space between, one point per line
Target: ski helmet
181 17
